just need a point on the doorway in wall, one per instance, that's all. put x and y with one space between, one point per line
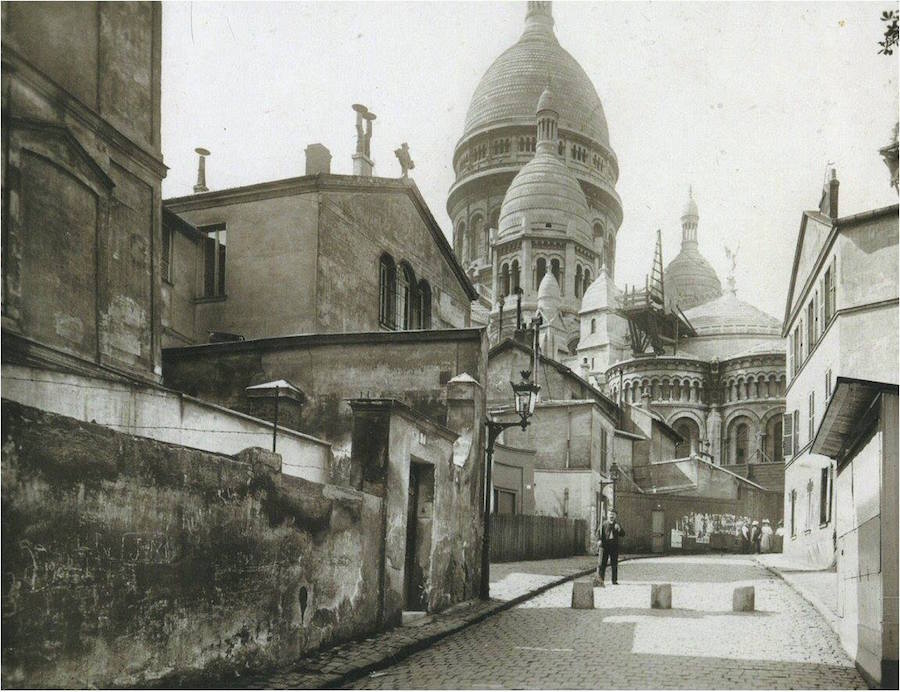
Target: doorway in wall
419 519
658 531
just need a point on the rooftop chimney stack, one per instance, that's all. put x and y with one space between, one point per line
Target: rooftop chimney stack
318 159
362 159
828 205
833 185
201 170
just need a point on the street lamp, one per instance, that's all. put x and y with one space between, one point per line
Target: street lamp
614 475
526 394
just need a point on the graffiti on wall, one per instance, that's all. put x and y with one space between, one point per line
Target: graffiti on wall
701 525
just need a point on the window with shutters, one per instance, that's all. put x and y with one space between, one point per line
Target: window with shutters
825 497
827 385
812 415
213 261
815 303
810 327
796 431
829 293
787 429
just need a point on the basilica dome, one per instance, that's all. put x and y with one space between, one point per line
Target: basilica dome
509 89
728 314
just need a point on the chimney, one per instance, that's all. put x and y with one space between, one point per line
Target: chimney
828 205
201 170
318 159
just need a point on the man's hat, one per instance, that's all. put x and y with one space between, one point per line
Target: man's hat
755 523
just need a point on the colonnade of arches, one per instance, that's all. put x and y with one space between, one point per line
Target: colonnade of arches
691 389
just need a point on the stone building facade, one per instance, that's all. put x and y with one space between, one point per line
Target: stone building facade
841 319
81 186
499 139
315 254
723 388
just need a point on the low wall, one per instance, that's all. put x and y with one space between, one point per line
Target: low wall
126 560
713 519
522 537
163 415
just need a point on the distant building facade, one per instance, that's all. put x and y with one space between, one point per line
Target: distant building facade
316 254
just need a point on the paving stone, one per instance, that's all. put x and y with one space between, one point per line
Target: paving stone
583 594
661 596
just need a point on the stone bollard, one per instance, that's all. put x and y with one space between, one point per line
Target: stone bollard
744 599
661 596
583 594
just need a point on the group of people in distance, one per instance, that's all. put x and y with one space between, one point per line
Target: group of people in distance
759 539
754 538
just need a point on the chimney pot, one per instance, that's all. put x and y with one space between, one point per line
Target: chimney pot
201 170
318 159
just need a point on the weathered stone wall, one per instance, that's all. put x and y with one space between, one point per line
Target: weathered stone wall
81 184
126 559
354 230
412 367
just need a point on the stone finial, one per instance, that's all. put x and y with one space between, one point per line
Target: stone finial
406 162
201 170
732 258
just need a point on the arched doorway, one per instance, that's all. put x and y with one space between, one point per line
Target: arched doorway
690 433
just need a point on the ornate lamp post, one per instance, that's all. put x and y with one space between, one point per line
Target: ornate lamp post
525 393
614 475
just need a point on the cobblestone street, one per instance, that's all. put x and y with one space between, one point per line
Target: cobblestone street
700 643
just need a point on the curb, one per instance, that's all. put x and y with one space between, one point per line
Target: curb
420 644
827 614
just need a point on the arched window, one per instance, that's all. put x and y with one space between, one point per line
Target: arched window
504 280
578 281
387 292
407 310
540 270
586 280
561 149
608 250
690 433
495 219
556 270
458 240
479 241
774 430
593 325
599 236
739 441
424 295
514 276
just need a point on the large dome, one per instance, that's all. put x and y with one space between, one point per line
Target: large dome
545 195
730 315
690 279
512 85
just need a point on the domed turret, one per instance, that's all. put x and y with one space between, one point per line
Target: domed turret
545 195
499 139
689 278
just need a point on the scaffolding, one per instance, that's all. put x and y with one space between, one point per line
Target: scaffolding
652 323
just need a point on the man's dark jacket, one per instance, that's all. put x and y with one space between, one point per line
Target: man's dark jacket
609 536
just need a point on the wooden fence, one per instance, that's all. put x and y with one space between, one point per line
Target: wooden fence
524 537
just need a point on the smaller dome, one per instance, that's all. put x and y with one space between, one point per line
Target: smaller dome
549 296
545 103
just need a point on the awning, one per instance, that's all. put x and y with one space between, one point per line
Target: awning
851 408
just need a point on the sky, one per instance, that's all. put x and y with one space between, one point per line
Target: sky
748 103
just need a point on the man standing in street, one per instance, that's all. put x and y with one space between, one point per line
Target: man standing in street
610 530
